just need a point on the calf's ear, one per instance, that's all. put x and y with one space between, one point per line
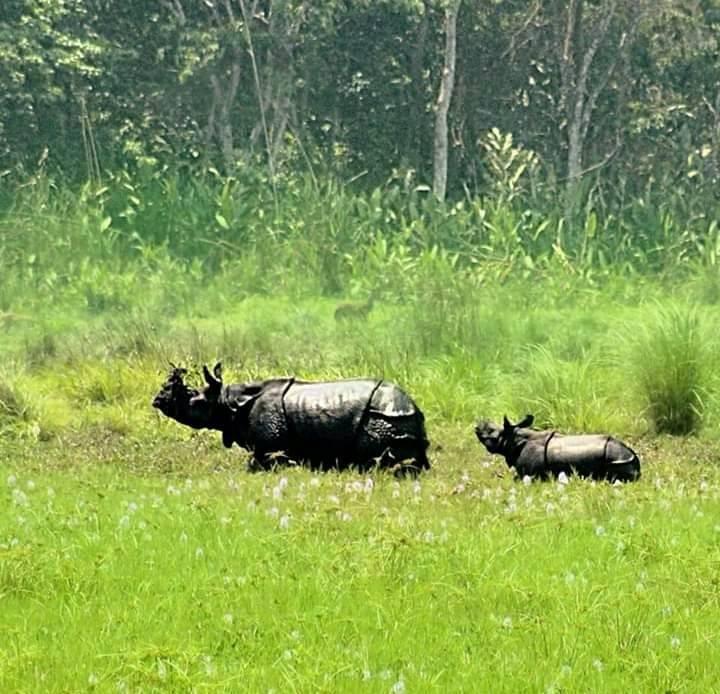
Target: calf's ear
527 421
507 424
217 371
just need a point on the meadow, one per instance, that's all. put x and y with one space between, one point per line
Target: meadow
139 555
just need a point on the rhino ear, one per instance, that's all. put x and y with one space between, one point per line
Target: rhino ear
210 379
214 384
217 371
527 421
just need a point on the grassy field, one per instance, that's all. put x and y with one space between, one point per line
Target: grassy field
138 565
138 555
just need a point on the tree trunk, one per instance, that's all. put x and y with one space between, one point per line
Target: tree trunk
447 82
224 96
579 89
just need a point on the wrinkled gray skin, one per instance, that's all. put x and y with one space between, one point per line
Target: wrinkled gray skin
546 453
335 424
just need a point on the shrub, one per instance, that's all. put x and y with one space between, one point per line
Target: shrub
670 364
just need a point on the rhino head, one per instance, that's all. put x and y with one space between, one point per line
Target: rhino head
200 409
501 440
216 406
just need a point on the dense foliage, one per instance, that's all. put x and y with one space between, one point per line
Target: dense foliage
348 88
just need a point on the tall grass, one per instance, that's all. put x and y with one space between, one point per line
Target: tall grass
57 240
481 305
672 368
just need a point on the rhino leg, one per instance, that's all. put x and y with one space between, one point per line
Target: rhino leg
531 462
387 442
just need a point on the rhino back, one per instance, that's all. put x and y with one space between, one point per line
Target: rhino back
390 401
580 447
327 413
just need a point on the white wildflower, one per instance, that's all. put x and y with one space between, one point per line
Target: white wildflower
208 665
19 497
398 687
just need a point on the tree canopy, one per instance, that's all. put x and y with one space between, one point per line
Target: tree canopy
630 92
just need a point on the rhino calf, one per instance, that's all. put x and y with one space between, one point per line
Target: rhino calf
544 453
334 424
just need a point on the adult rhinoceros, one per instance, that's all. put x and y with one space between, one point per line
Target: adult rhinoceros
334 424
544 453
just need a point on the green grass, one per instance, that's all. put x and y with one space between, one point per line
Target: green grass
140 555
166 567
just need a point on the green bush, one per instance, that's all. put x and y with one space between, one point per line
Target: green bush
671 369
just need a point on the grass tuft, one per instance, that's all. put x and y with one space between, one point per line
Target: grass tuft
14 406
567 394
671 369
